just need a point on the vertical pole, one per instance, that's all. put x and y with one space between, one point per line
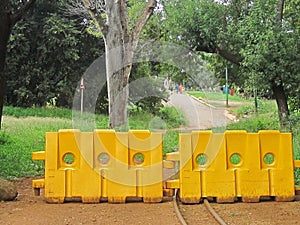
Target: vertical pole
81 102
226 85
255 100
81 93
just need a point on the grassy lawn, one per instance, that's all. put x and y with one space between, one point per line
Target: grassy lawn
24 132
216 96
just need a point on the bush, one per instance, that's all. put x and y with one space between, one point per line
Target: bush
172 116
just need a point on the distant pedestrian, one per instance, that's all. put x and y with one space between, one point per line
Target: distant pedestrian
177 88
180 88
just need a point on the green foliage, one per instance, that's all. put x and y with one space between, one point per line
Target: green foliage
25 136
135 10
173 116
251 34
265 119
47 54
170 141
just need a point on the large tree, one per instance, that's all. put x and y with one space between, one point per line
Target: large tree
10 13
121 40
258 36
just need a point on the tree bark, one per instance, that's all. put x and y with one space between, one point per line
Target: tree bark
118 62
120 44
281 100
278 89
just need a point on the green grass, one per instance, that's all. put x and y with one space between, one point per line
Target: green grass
21 137
37 112
263 107
219 96
24 131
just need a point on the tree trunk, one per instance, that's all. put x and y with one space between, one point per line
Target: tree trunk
118 50
281 100
4 37
120 43
118 67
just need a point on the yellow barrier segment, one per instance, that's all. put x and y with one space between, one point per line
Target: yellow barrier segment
38 155
149 172
173 156
101 164
235 164
67 174
244 158
173 184
168 164
297 163
135 168
217 178
281 171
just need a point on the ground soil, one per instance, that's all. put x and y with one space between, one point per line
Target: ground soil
30 209
262 213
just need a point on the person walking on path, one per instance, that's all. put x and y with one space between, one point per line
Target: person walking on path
180 88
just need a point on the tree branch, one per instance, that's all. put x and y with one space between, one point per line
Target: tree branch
15 17
146 14
227 55
280 7
96 16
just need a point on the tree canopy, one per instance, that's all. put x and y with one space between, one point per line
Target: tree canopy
260 37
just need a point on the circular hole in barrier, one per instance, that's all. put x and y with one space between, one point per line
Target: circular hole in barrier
269 158
201 159
69 158
138 158
103 158
235 159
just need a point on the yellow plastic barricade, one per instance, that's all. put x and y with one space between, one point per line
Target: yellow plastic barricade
130 165
203 168
244 159
234 164
68 176
115 166
100 165
277 158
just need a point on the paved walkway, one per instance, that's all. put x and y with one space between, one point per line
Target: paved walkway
199 114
